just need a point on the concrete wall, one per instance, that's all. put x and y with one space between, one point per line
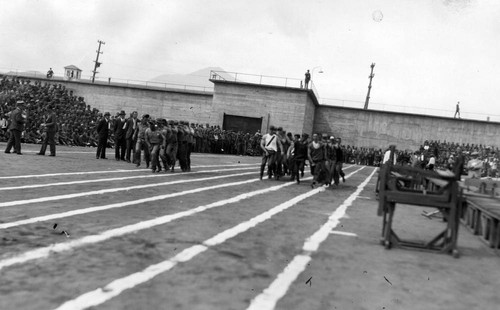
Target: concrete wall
378 129
279 106
309 114
294 109
181 105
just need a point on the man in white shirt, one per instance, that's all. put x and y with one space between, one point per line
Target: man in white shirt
387 154
270 144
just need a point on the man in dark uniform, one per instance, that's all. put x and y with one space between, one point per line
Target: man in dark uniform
50 126
166 132
103 131
182 136
299 156
307 79
129 135
16 127
172 144
154 140
120 129
191 139
317 154
140 138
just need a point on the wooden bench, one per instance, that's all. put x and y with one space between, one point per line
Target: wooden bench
483 186
415 186
482 217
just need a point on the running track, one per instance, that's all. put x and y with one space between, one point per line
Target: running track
75 237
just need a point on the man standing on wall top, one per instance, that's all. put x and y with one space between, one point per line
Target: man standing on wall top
307 79
457 111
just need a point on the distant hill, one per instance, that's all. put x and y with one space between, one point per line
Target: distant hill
197 78
27 73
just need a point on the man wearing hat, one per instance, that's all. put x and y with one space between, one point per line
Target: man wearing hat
182 136
129 135
270 144
140 137
16 127
120 130
299 156
103 132
154 140
50 126
171 144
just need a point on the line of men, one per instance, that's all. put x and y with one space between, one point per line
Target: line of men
286 155
163 143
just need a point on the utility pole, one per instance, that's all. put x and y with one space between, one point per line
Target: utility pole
97 63
369 86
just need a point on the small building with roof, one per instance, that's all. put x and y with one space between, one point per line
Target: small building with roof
72 72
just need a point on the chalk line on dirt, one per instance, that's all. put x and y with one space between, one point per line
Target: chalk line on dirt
113 190
108 171
117 205
142 176
116 287
277 289
120 231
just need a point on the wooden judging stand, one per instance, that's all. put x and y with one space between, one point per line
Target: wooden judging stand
418 187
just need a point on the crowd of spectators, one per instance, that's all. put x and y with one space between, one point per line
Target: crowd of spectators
77 122
439 154
76 119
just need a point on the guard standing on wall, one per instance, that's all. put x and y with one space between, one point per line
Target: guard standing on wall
307 79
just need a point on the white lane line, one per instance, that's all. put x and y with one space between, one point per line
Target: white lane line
141 176
115 288
108 171
117 205
113 190
120 231
273 293
343 233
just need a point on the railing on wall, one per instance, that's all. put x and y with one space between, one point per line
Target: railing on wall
409 110
108 81
261 80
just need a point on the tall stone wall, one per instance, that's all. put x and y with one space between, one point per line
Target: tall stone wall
279 106
408 131
181 105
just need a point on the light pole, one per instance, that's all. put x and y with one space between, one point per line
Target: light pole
312 72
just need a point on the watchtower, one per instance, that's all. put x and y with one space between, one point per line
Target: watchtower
72 73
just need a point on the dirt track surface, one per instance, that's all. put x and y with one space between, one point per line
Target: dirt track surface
229 264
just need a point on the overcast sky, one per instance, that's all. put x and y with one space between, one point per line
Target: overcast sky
429 54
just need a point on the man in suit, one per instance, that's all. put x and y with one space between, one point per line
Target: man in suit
50 126
103 132
120 129
16 127
129 135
